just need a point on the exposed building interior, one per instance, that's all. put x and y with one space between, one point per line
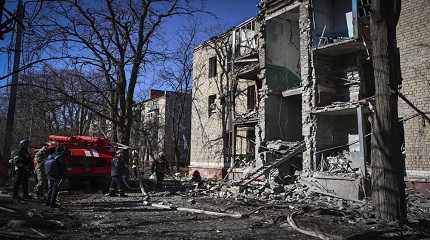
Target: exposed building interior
298 69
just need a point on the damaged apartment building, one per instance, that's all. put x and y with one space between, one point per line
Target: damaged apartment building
298 92
163 124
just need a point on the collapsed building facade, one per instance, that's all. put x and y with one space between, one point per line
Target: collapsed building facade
163 124
303 71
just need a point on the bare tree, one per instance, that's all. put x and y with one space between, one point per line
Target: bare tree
178 76
45 104
118 39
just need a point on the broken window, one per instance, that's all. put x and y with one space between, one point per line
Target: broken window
335 21
250 92
212 67
211 105
246 38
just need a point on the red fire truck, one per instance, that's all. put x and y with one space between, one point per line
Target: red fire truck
88 159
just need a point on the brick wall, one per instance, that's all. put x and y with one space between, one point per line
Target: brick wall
414 42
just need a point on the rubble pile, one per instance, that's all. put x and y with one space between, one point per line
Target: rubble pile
329 213
418 204
29 220
279 146
265 191
340 163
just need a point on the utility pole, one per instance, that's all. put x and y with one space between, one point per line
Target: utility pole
388 186
12 96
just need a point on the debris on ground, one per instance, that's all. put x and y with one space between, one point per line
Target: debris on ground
289 206
30 219
345 218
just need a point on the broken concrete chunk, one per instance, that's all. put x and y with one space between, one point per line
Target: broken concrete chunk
15 223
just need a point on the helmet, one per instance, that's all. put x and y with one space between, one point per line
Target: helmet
24 143
120 152
44 148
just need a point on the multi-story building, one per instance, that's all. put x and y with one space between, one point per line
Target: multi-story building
163 125
253 78
309 64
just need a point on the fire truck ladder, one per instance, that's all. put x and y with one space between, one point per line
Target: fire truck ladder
293 151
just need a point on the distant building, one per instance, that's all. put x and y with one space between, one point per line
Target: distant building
163 125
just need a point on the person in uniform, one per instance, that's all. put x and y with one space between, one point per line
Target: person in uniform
55 170
135 160
158 169
22 164
117 172
40 187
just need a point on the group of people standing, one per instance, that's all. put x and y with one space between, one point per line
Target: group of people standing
49 170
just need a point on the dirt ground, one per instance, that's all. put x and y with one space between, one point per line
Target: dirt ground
96 216
126 218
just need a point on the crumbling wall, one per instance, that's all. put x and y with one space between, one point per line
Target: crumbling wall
413 34
282 51
338 78
279 58
333 88
308 82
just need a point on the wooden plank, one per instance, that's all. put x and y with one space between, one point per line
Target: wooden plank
193 210
7 210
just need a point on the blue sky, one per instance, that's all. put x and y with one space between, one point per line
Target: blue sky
228 13
232 12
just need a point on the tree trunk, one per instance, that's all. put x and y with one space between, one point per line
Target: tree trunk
224 131
8 140
388 187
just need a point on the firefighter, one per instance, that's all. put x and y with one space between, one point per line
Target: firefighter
117 172
40 188
22 166
55 171
158 169
135 157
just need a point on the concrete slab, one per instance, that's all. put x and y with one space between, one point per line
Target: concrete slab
345 187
